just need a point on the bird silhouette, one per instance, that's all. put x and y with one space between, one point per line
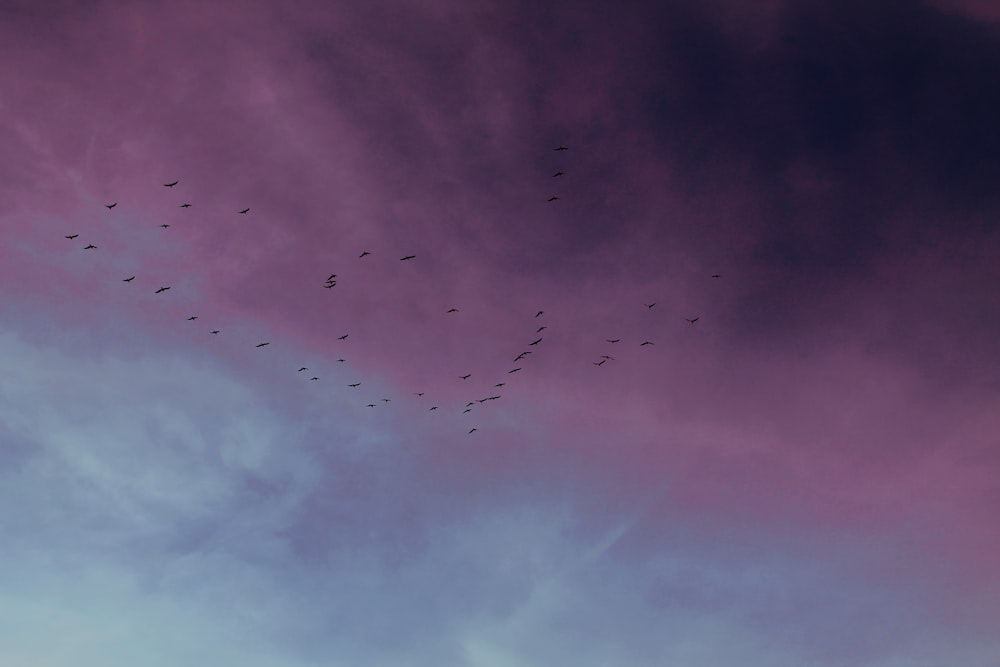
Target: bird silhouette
562 148
599 363
245 211
604 356
649 305
521 356
164 225
261 344
371 405
540 329
465 377
356 384
386 400
694 320
453 310
473 429
613 340
193 317
170 185
214 331
536 342
162 289
539 313
513 371
558 173
466 410
111 206
332 276
302 369
716 275
330 285
499 384
646 343
470 403
433 407
365 253
341 360
343 337
128 280
89 247
314 378
420 393
403 259
72 236
185 206
553 198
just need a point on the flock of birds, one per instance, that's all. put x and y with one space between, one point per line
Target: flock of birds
331 282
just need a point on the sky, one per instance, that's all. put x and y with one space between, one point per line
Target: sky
794 204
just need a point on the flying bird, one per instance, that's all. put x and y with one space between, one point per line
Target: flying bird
110 206
470 403
473 430
539 313
89 247
521 356
302 369
128 280
314 378
332 276
245 211
72 236
363 254
558 173
465 377
535 342
433 407
185 205
612 340
330 285
539 329
513 371
164 225
356 384
386 400
716 275
599 363
162 289
499 384
214 331
694 320
170 185
343 337
341 360
403 259
371 405
553 198
261 344
646 343
453 310
649 305
562 148
193 317
420 393
604 356
466 410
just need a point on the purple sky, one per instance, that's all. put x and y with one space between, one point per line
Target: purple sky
806 475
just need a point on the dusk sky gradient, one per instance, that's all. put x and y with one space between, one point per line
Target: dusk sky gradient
806 476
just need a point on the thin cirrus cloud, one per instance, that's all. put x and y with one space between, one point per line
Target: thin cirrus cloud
811 459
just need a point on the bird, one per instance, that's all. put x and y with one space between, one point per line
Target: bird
185 206
245 211
513 371
363 254
128 280
604 356
343 337
470 403
330 285
110 206
465 377
314 378
214 331
356 384
420 393
646 343
193 317
553 198
466 410
332 276
386 400
90 247
539 329
649 305
558 173
302 369
716 275
473 429
453 310
371 405
72 236
499 384
403 259
261 344
694 320
170 185
539 313
164 225
536 342
612 340
599 363
162 289
562 148
341 360
521 356
433 407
